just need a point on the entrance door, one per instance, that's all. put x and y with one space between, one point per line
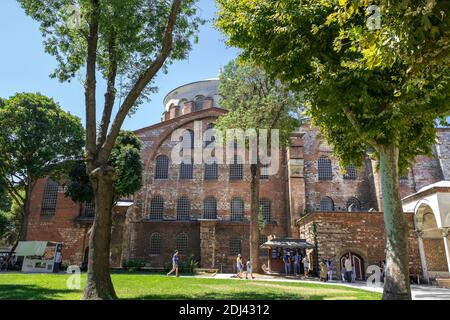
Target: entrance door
357 263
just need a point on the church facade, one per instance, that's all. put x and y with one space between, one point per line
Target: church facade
203 209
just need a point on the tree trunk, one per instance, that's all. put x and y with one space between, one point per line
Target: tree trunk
99 284
254 217
396 283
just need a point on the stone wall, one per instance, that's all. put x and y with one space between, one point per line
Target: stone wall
362 233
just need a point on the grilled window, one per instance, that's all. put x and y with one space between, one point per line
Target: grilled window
210 208
353 205
155 243
236 169
156 208
188 139
265 207
264 172
183 208
237 209
50 199
262 240
211 170
88 210
325 172
350 172
182 243
162 167
326 204
235 246
187 169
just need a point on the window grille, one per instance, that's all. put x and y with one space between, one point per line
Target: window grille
325 171
326 204
234 246
162 167
237 209
182 243
265 207
183 209
155 243
210 208
156 208
351 172
50 198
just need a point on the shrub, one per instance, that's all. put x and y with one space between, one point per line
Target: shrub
133 264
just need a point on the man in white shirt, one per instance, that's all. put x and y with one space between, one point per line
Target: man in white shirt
348 269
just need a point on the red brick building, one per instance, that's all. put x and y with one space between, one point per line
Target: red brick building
203 209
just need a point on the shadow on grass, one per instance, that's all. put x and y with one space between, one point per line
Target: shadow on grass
29 292
233 296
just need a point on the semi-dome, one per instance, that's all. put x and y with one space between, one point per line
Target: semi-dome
191 97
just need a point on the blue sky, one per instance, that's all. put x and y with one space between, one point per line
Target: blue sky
25 67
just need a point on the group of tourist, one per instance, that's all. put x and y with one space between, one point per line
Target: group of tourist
326 270
240 268
298 261
7 262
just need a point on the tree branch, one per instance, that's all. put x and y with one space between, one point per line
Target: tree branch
90 86
141 83
110 94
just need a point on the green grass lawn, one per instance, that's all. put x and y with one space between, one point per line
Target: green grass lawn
147 286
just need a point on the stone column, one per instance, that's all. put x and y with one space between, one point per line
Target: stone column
423 258
445 232
208 243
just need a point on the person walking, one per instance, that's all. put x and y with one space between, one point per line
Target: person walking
330 269
287 263
175 262
305 262
323 271
348 269
249 270
239 266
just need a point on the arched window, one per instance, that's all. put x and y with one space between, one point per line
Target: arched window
162 167
210 208
236 169
211 169
237 209
262 240
156 208
182 243
187 169
350 172
265 208
50 198
326 204
188 139
199 100
155 243
353 205
264 172
235 246
183 209
324 166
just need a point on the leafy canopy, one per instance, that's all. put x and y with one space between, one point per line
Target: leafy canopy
37 139
255 101
362 90
125 158
134 27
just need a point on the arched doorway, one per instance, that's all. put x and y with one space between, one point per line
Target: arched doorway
357 263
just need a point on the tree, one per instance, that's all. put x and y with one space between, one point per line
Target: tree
126 40
37 139
367 90
125 157
255 101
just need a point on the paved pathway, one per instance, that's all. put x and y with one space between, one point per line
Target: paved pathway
419 292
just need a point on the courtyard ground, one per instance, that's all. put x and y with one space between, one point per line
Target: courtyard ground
147 286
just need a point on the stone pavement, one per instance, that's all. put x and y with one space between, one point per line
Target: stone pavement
419 292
